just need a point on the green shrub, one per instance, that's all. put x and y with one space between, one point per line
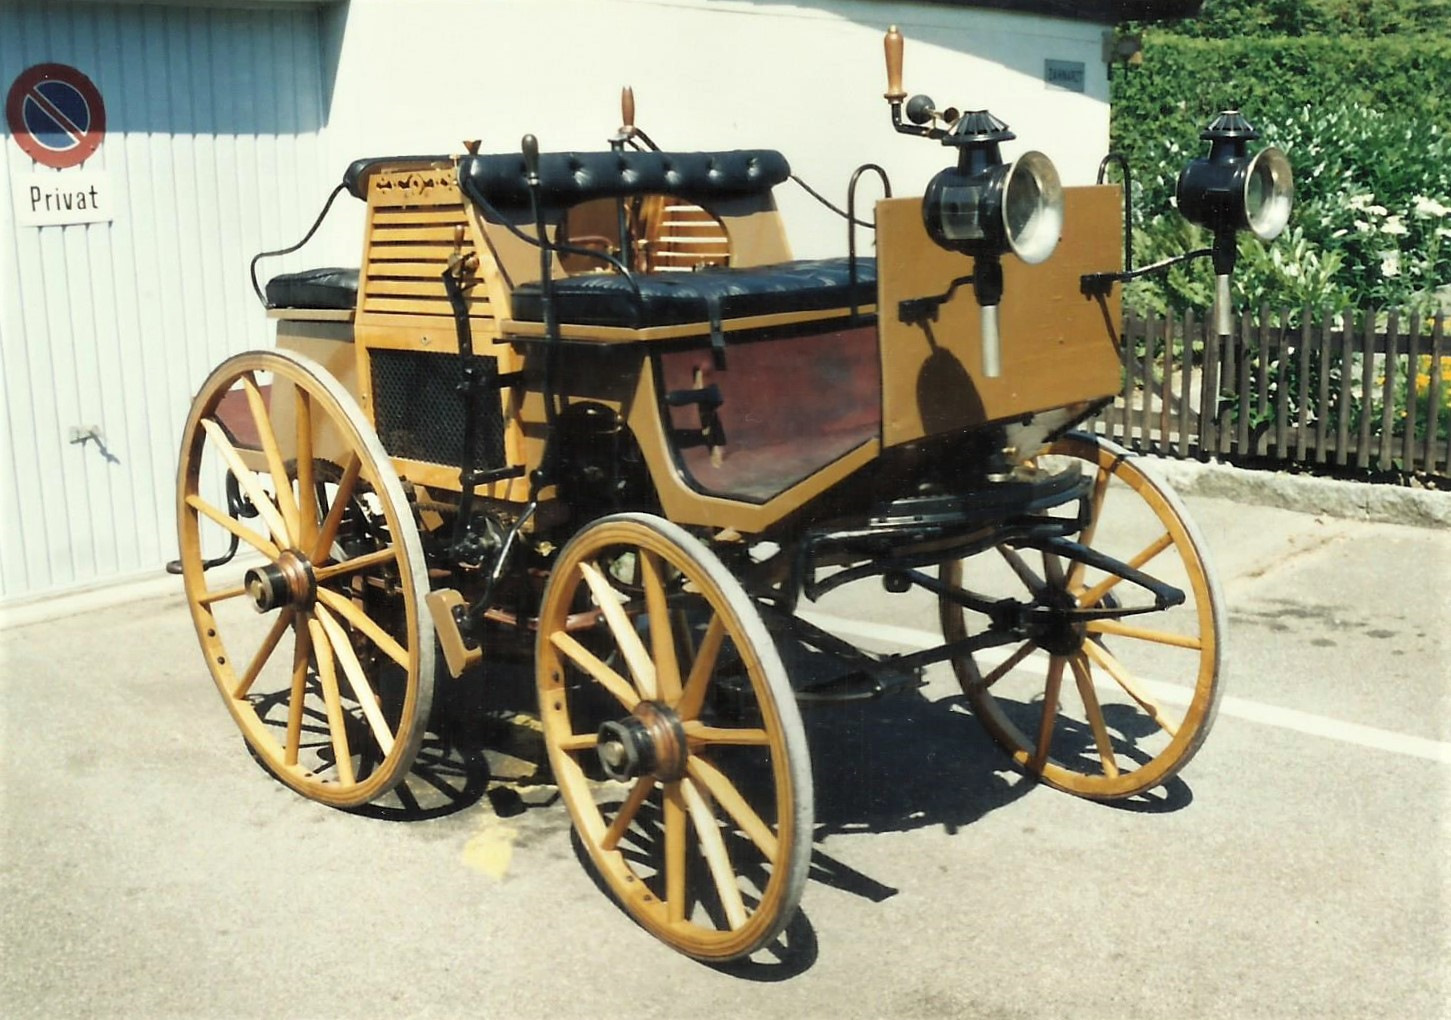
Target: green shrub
1372 225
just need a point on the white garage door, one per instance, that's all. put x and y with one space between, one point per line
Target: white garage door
211 153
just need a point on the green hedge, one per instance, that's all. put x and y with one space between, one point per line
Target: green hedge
1367 124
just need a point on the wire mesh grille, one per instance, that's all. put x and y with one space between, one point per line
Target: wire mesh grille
420 408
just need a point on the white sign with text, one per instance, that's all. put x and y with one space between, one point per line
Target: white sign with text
60 199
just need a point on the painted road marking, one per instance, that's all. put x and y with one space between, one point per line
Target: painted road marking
1240 708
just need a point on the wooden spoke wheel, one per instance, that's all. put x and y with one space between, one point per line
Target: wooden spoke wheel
314 635
674 737
1110 707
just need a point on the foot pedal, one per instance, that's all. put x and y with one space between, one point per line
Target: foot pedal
442 605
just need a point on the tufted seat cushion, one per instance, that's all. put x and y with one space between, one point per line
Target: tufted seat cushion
567 178
667 299
333 287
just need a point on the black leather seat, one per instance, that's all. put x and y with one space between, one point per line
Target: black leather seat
331 288
667 299
501 181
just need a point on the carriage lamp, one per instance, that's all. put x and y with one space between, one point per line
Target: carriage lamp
988 208
982 207
1229 191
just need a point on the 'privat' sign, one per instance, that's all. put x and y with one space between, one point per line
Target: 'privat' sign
66 197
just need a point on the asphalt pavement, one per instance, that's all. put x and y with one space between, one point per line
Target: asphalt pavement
1299 867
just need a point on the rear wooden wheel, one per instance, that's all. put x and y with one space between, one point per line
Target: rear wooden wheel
674 737
1108 708
314 634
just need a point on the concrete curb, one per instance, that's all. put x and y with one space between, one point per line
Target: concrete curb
1330 497
102 595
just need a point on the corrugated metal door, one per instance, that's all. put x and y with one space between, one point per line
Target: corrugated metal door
211 154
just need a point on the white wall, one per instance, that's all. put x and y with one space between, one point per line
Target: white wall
806 78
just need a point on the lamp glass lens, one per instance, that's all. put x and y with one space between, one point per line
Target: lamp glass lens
1033 207
1024 204
1268 194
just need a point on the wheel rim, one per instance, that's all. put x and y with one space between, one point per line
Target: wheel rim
1114 707
677 746
314 638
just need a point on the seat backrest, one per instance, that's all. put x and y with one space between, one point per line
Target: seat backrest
360 171
734 186
568 178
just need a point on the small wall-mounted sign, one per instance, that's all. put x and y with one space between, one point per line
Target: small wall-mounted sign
59 199
56 115
1065 74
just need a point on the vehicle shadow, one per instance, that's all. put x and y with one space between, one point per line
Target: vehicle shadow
909 760
482 743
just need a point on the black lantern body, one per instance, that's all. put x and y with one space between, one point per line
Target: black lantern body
987 208
1231 190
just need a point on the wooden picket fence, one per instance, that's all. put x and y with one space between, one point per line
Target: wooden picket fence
1367 391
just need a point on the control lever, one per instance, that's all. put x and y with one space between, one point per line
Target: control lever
920 110
893 45
629 134
530 146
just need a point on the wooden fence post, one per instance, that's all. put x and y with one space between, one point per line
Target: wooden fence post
1151 331
1209 392
1433 392
1385 460
1367 387
1264 333
1186 376
1302 389
1322 406
1244 399
1342 408
1126 423
1166 388
1282 387
1413 357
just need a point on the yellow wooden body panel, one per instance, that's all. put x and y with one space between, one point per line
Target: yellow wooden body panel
1059 347
330 345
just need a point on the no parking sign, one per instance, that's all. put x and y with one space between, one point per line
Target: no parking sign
56 115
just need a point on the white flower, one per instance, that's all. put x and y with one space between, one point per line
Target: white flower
1359 201
1376 210
1390 264
1443 231
1361 225
1429 208
1393 225
1340 233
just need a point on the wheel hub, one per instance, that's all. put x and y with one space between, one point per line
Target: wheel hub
649 741
287 582
1056 631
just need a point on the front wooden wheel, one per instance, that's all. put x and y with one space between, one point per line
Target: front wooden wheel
1113 707
674 737
314 635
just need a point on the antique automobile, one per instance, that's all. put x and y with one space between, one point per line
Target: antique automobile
584 410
